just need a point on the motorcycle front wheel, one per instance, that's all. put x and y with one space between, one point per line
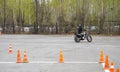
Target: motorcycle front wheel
89 38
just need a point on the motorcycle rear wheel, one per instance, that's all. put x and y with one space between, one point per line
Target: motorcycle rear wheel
76 39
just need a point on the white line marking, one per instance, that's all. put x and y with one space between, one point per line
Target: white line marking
103 64
52 62
43 62
107 71
7 62
82 62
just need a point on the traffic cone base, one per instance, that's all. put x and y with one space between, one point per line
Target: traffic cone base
117 70
19 61
25 60
111 67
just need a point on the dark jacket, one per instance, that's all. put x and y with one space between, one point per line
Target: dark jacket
79 29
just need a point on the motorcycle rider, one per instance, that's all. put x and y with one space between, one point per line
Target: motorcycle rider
80 29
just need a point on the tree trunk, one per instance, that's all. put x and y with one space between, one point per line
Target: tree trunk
119 29
4 22
56 28
102 18
83 13
36 23
22 22
13 22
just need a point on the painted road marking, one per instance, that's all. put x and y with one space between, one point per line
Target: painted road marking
7 62
52 62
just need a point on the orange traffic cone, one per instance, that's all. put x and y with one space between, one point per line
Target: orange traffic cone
111 67
61 60
101 60
18 57
117 70
25 59
106 67
10 49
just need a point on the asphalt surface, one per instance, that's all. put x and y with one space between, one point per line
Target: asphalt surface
43 53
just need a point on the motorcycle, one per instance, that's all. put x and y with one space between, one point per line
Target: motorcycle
83 36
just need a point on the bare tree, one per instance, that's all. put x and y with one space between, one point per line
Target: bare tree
13 23
4 22
36 14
